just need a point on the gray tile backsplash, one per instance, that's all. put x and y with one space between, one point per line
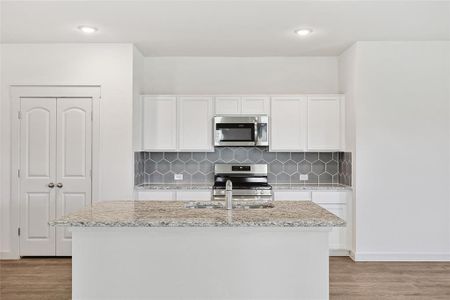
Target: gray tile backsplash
345 168
284 167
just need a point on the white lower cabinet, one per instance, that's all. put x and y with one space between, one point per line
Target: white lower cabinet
172 195
186 195
156 195
292 196
336 202
338 236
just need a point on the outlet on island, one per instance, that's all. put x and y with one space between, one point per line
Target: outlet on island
303 177
178 177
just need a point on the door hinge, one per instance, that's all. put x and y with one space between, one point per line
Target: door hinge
18 231
19 115
18 173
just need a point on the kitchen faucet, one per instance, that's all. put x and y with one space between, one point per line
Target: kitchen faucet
229 194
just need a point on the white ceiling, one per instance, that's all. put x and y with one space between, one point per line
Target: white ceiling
226 28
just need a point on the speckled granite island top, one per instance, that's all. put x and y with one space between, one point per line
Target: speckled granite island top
176 214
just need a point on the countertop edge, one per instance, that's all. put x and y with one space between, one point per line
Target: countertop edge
194 225
275 187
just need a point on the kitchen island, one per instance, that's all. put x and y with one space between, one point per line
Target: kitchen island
165 250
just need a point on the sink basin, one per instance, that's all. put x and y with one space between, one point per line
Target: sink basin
236 205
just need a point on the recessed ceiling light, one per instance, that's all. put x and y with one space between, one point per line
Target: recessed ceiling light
303 31
87 29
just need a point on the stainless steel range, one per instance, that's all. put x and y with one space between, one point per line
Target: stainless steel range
249 182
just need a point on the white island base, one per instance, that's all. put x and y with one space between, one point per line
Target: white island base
200 263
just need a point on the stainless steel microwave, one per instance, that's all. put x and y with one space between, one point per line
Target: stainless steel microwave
241 130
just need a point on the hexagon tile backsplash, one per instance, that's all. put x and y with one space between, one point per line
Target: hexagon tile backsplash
284 167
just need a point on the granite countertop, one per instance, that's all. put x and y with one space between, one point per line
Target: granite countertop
176 214
310 186
208 186
174 186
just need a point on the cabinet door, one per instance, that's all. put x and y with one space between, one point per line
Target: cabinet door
228 105
337 203
288 126
255 105
338 235
156 195
324 123
329 197
292 196
195 123
160 123
189 195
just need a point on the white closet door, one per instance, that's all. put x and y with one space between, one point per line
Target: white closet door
73 169
37 174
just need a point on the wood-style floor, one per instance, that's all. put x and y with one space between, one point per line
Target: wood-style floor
50 278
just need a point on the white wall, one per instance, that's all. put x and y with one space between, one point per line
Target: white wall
401 94
138 90
107 65
245 75
347 86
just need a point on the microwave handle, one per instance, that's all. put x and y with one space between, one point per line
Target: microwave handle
256 133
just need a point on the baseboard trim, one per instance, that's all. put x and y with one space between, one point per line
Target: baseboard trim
352 255
339 252
401 256
8 255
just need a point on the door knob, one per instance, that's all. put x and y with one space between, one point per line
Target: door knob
51 185
59 184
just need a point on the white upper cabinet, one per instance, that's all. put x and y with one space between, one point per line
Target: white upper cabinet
172 123
255 105
242 105
297 122
228 105
289 121
195 123
160 123
324 123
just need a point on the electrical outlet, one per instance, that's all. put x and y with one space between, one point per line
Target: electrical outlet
303 177
178 177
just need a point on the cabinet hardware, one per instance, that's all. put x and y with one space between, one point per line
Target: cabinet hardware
59 185
18 231
51 185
